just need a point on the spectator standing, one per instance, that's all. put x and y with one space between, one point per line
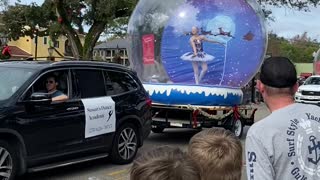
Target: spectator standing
284 145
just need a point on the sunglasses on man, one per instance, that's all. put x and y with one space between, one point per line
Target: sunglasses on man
49 82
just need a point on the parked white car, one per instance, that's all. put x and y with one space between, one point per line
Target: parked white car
309 91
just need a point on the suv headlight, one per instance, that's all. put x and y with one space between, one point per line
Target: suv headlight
299 91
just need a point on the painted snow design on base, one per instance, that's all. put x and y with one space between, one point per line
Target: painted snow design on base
188 89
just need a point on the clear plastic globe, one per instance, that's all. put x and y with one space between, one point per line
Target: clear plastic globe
193 49
232 40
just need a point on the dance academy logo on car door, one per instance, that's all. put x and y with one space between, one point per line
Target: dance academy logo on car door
100 116
304 147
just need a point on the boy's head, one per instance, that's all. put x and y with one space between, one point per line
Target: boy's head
218 153
278 77
164 163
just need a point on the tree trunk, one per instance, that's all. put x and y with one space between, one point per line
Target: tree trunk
76 46
72 35
91 38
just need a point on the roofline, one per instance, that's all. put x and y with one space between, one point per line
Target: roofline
89 63
64 63
17 55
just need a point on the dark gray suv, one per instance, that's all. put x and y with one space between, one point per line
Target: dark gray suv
107 113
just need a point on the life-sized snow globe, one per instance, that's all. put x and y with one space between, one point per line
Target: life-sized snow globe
196 52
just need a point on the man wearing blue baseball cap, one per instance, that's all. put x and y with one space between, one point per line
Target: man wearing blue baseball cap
286 144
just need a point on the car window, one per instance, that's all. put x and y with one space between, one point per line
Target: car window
118 83
11 79
60 77
90 83
312 81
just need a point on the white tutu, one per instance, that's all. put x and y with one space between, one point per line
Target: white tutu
201 56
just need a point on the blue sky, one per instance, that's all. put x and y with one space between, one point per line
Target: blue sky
288 23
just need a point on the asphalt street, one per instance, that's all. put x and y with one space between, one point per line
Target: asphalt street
102 169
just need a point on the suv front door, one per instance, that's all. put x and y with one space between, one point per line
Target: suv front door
51 129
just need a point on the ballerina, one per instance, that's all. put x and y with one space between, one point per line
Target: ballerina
198 56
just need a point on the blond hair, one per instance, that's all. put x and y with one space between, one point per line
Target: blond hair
164 163
218 153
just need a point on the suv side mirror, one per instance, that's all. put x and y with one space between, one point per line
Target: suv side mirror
40 98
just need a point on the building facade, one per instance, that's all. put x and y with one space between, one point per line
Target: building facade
114 51
38 48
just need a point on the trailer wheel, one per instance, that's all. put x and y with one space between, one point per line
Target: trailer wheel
237 128
157 130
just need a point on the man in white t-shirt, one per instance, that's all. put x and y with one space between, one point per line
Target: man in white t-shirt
286 144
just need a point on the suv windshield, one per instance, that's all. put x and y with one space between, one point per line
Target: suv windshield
312 81
11 79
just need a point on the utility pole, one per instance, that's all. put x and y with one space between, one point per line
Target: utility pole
36 41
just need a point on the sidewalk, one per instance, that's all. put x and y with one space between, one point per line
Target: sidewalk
262 111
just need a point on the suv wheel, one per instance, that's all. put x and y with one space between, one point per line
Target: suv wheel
8 161
125 144
237 128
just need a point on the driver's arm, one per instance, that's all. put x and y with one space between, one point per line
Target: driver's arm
62 97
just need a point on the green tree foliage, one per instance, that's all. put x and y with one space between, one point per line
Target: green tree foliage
21 20
117 28
301 5
295 4
299 48
67 17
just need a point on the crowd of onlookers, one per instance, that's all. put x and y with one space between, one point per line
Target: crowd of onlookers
212 154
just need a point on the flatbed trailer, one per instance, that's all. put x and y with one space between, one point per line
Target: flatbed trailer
233 118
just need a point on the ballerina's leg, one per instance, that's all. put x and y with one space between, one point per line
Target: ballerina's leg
195 71
204 69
